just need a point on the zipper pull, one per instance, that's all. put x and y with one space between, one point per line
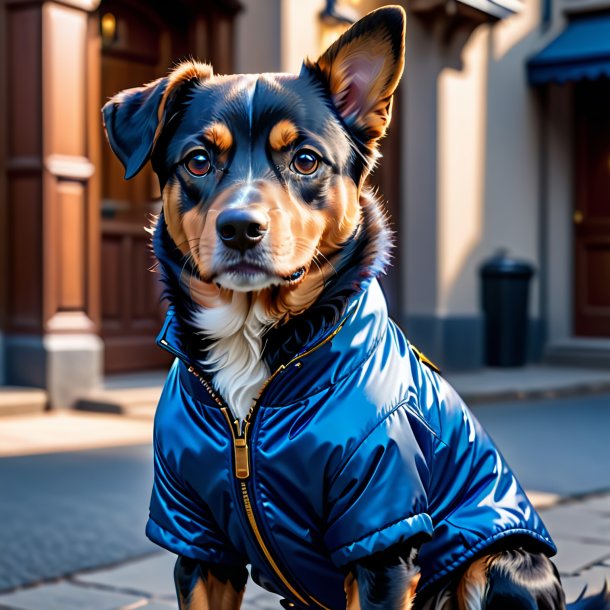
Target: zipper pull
242 458
241 450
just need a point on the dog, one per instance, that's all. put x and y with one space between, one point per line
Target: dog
298 430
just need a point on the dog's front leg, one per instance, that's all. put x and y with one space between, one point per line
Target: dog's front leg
200 586
383 582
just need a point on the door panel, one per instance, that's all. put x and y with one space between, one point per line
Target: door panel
130 299
141 41
592 210
131 315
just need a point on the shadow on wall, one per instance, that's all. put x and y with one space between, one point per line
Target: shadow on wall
489 180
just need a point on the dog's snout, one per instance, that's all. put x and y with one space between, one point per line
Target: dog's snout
241 228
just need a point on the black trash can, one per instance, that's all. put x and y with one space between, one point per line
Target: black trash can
505 288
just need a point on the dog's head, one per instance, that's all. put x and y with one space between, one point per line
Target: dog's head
261 175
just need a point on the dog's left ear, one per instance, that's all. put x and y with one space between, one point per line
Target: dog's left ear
135 117
362 70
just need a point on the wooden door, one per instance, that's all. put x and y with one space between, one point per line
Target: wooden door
141 41
591 218
130 293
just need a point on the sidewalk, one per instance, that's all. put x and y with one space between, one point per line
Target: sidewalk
534 381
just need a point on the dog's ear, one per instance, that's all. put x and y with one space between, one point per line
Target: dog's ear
362 69
135 117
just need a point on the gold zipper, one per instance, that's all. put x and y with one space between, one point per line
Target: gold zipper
282 367
241 453
261 542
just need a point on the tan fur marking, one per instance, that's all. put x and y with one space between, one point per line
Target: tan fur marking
410 593
471 588
222 596
283 134
310 234
220 135
197 599
207 294
186 71
212 594
200 231
350 585
171 212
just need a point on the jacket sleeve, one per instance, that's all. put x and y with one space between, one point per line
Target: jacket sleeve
378 498
180 522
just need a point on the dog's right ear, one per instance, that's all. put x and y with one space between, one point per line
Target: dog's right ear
134 118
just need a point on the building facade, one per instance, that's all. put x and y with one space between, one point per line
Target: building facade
484 153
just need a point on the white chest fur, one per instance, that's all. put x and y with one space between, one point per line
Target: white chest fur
234 357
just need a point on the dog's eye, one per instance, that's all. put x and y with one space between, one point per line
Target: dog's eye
199 164
305 162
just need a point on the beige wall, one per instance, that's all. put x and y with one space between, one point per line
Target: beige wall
461 175
257 37
275 35
488 151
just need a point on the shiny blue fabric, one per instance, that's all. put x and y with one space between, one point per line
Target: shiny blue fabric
356 447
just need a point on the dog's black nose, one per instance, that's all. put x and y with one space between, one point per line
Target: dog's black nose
241 228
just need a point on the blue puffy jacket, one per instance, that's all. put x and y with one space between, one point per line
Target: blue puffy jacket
353 446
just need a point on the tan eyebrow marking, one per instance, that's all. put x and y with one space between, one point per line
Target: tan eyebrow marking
282 134
220 136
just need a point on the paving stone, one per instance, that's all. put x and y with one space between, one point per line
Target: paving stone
257 598
600 504
578 522
574 556
573 586
152 576
596 576
592 578
66 596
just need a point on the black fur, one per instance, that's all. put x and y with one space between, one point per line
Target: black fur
383 579
600 601
523 581
190 573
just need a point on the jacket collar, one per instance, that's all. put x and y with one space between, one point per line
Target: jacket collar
328 357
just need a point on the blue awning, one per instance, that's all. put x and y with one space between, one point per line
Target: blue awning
581 51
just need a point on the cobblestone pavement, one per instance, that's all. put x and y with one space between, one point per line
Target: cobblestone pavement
64 512
63 515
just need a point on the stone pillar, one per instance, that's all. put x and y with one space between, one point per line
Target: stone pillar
49 197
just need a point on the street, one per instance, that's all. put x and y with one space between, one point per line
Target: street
63 514
559 446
